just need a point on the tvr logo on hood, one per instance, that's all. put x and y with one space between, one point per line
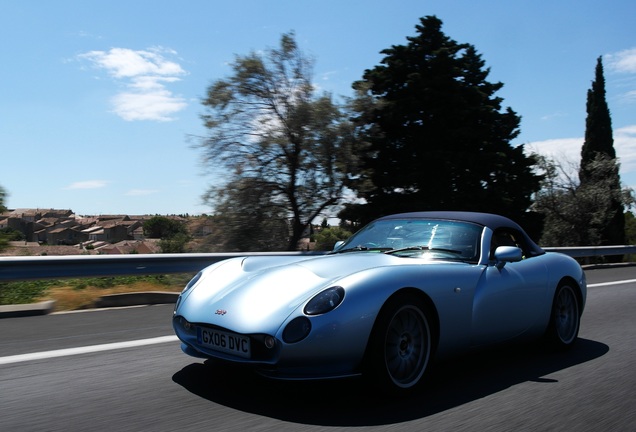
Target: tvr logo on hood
220 312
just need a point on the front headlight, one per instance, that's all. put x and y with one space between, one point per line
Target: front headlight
325 301
297 330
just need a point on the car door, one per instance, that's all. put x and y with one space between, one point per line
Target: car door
508 299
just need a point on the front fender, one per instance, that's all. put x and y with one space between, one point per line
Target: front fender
344 332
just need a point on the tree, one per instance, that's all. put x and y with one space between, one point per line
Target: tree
249 220
173 233
599 146
576 214
630 228
588 211
174 244
267 127
163 227
439 139
3 194
328 236
4 237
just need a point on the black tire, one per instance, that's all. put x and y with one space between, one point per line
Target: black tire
400 348
565 318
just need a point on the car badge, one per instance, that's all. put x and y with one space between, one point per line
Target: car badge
220 312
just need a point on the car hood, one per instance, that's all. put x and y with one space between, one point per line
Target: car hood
257 294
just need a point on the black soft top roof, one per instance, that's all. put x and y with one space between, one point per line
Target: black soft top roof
489 220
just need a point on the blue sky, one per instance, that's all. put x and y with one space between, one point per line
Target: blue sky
98 98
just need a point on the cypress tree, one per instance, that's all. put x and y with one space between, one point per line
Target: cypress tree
598 148
599 140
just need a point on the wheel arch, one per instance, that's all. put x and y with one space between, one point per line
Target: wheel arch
429 309
577 290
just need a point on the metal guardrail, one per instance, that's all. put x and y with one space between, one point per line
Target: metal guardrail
65 266
56 267
593 251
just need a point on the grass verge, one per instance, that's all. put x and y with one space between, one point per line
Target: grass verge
74 294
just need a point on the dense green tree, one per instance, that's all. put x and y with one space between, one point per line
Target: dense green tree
599 137
630 233
328 236
175 244
12 234
163 227
4 237
577 215
439 138
599 146
247 219
3 194
267 126
630 228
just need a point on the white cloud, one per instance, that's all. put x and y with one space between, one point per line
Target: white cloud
622 61
625 145
326 76
88 184
145 74
568 150
141 192
85 34
553 116
630 96
127 63
150 105
565 149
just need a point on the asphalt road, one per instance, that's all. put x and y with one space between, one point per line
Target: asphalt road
80 371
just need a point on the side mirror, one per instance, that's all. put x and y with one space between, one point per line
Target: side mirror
337 245
506 254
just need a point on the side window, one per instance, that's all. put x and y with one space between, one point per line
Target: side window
507 237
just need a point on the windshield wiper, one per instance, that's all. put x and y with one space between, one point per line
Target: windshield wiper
363 248
422 248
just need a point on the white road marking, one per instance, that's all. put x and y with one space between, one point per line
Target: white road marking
612 283
85 350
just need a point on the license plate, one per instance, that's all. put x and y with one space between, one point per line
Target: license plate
230 343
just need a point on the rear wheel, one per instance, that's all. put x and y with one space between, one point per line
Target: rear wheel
565 319
400 348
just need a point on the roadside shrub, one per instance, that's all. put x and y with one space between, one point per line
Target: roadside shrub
327 238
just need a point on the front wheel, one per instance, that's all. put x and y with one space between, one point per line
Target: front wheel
401 344
565 318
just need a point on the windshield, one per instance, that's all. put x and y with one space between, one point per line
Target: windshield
418 237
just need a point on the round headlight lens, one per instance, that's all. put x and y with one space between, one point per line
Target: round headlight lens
325 301
297 330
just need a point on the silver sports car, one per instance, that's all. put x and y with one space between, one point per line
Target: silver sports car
402 291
